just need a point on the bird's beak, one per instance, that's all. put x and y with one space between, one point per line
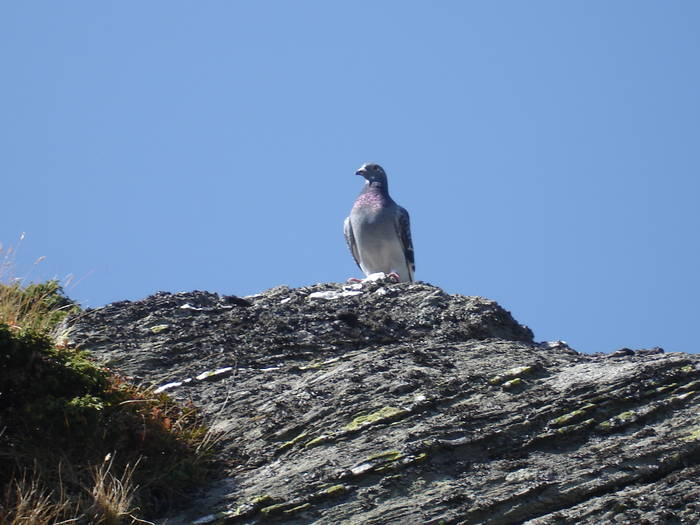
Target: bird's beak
361 171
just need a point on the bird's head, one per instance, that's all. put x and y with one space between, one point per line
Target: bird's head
372 173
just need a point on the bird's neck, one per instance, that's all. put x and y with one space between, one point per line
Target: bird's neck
377 187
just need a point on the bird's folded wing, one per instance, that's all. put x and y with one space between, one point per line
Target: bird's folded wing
403 229
350 239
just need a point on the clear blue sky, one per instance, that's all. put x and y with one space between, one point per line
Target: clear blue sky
548 152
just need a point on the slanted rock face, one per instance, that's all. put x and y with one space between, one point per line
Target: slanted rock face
400 404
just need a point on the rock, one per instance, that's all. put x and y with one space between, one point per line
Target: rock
622 352
401 404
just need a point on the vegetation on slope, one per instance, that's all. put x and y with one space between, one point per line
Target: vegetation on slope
78 444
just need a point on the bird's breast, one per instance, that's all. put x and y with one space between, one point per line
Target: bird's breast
370 201
372 225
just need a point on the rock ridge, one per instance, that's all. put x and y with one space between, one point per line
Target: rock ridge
396 403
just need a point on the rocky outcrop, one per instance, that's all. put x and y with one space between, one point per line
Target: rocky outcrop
387 403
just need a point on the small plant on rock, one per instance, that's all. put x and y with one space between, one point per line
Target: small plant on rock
61 415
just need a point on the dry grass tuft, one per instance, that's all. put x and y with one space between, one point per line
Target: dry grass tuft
112 496
61 413
28 306
110 501
26 502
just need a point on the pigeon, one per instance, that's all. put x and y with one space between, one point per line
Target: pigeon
378 231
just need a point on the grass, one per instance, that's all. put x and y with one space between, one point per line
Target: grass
78 443
112 495
36 307
28 503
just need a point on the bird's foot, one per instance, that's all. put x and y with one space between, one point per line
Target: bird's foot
377 277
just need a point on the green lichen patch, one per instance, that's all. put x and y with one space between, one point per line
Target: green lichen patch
517 372
159 328
320 440
624 419
289 444
685 395
298 508
664 388
335 490
513 384
274 509
693 385
693 435
388 455
262 500
605 425
383 415
384 461
571 429
573 416
657 388
266 506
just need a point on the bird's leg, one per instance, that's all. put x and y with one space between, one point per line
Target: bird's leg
395 276
354 280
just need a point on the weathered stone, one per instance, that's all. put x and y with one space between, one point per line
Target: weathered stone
402 404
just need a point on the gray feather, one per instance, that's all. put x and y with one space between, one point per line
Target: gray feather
350 240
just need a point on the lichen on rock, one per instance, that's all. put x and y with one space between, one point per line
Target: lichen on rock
404 404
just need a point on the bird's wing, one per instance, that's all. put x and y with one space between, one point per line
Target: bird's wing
350 239
403 230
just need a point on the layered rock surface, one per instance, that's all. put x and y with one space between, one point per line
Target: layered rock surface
389 403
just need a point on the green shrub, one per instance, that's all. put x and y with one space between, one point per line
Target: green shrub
61 415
